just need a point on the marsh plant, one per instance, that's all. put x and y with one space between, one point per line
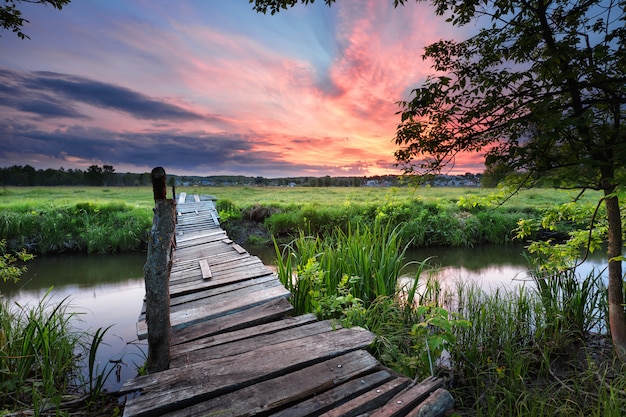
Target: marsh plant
356 277
40 355
536 349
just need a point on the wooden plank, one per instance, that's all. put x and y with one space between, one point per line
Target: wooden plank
327 400
182 197
215 218
284 390
217 281
197 239
436 405
196 198
251 343
230 277
404 402
259 282
369 401
225 305
260 314
191 271
206 271
256 331
180 387
239 249
214 291
223 298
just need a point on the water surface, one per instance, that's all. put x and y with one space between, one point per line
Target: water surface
109 289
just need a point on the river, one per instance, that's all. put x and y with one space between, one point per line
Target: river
108 289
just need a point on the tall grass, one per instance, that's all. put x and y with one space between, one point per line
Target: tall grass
530 350
40 353
85 227
344 257
356 277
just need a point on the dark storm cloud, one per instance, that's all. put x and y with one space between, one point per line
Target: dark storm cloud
204 154
50 94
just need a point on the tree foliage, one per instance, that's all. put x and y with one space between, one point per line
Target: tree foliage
11 17
275 6
541 90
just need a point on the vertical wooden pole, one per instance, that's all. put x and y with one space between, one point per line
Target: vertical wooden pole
157 275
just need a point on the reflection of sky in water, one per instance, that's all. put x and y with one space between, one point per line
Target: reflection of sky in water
98 305
109 290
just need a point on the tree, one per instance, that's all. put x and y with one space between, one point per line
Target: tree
275 6
94 175
11 17
541 90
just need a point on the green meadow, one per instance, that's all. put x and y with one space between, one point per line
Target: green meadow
537 350
114 219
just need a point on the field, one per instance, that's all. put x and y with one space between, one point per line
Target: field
113 219
35 197
528 352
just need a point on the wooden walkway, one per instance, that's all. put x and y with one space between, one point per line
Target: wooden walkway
236 349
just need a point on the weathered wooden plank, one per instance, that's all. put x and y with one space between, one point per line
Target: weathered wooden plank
183 262
336 396
193 272
205 269
436 405
214 291
251 343
226 297
196 198
263 313
239 248
231 277
230 337
404 402
276 393
227 304
182 197
180 387
184 288
196 239
369 401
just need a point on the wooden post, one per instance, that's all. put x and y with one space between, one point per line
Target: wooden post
157 275
159 184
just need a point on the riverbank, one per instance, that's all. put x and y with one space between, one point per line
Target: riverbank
117 219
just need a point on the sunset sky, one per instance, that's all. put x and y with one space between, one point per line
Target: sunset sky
212 88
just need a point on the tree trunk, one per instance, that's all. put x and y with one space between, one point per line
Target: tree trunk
617 318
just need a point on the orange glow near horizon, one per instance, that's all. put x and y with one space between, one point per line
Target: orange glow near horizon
311 90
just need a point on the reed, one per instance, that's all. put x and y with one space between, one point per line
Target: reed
84 227
40 351
531 351
527 350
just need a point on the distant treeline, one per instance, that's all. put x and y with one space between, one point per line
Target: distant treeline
105 175
18 175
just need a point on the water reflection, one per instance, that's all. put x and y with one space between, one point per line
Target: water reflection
109 289
104 290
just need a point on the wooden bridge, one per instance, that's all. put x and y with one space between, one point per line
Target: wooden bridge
237 350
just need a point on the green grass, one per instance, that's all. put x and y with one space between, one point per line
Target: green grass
40 354
525 351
